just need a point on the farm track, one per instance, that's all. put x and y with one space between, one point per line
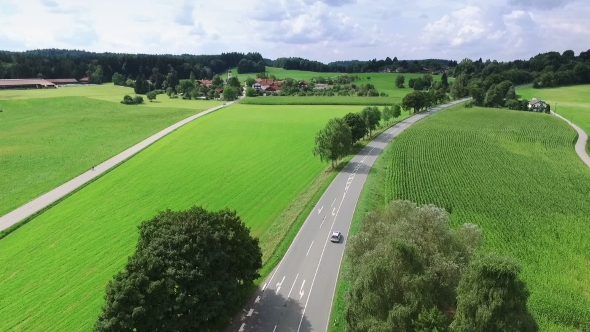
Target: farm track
42 202
582 140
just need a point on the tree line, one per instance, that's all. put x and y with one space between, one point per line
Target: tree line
100 67
337 139
407 66
492 83
409 271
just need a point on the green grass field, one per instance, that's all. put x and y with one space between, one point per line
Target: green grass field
516 175
45 142
253 159
107 92
572 102
320 100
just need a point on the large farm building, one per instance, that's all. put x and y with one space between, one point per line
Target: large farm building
37 83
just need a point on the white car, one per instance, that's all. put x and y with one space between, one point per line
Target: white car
336 236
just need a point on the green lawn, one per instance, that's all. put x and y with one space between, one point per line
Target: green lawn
572 102
45 142
320 100
107 92
516 175
254 159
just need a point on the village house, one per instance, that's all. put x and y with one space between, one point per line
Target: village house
206 83
321 86
537 105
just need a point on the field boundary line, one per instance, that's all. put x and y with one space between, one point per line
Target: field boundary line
580 146
50 198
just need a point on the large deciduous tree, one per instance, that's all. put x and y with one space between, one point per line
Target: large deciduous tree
118 79
405 264
415 100
188 271
230 93
334 141
372 116
397 111
357 125
491 298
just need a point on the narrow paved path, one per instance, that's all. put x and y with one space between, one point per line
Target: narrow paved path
298 295
54 195
582 139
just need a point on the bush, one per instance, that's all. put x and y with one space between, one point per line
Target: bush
127 100
138 100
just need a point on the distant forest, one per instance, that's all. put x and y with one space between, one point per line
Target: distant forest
544 70
100 67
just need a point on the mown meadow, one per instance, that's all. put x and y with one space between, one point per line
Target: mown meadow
253 159
45 142
572 102
516 175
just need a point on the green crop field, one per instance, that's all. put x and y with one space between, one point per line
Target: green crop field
572 102
516 175
45 142
254 159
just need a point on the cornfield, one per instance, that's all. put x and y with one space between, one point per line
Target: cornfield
516 175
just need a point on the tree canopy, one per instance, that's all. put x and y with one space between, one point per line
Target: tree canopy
357 125
334 141
188 271
491 298
405 262
415 100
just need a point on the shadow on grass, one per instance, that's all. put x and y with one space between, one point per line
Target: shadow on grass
273 312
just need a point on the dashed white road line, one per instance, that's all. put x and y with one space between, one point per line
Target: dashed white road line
320 210
334 211
333 202
323 222
311 245
318 267
257 299
289 295
242 327
250 312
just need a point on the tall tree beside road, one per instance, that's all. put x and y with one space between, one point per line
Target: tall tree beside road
334 141
188 271
444 80
397 111
372 116
491 298
415 100
357 125
387 113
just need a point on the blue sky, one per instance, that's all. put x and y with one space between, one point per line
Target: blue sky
324 30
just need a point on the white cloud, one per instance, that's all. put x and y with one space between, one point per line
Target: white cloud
325 30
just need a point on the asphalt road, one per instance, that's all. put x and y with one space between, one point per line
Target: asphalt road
299 292
580 146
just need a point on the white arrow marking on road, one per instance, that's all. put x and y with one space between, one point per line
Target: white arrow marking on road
309 248
320 210
334 211
279 284
242 327
292 286
301 290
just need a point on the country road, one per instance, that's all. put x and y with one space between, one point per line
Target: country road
70 186
298 294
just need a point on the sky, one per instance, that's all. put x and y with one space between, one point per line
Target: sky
322 30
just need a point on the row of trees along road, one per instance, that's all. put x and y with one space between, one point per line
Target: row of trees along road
337 139
409 271
189 270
